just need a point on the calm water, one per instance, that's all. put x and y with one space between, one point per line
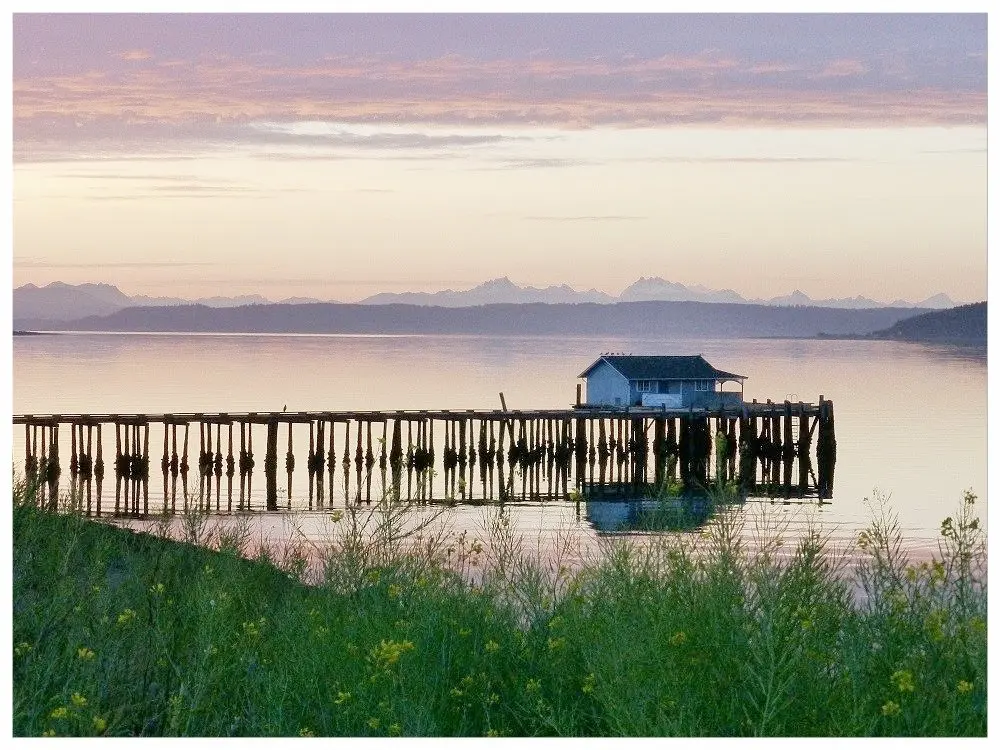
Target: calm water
911 419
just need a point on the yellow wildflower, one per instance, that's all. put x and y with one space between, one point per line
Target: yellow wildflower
84 653
306 732
126 617
388 652
22 648
678 638
59 713
78 700
492 646
100 724
964 686
903 680
890 708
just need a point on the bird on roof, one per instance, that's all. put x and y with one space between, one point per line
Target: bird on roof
285 407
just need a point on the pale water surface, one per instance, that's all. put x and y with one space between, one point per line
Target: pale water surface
911 419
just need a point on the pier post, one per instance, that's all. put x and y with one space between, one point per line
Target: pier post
271 464
787 450
118 450
659 449
775 447
826 449
396 452
581 447
802 452
369 456
144 465
99 462
684 451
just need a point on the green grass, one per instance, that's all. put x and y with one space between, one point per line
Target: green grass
123 633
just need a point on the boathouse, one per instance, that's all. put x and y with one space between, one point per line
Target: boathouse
673 382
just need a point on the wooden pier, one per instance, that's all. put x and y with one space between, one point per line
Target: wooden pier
482 455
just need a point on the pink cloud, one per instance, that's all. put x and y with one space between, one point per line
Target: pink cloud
843 69
188 97
133 55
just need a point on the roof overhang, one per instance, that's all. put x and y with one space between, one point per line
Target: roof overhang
598 361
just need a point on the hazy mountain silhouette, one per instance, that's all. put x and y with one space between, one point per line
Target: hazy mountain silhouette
645 289
935 302
655 288
680 319
58 302
242 299
495 291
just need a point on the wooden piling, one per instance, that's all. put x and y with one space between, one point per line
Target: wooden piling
99 462
359 455
803 451
787 449
659 449
347 444
73 463
826 449
271 464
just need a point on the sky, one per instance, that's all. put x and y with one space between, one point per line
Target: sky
336 156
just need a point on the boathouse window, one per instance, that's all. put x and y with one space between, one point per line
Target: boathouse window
703 385
646 386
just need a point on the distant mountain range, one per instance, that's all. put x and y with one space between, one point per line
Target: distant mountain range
651 289
60 302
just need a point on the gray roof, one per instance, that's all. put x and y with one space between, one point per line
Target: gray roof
663 368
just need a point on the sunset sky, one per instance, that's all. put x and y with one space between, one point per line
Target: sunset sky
341 155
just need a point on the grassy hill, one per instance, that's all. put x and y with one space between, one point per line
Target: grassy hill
118 633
